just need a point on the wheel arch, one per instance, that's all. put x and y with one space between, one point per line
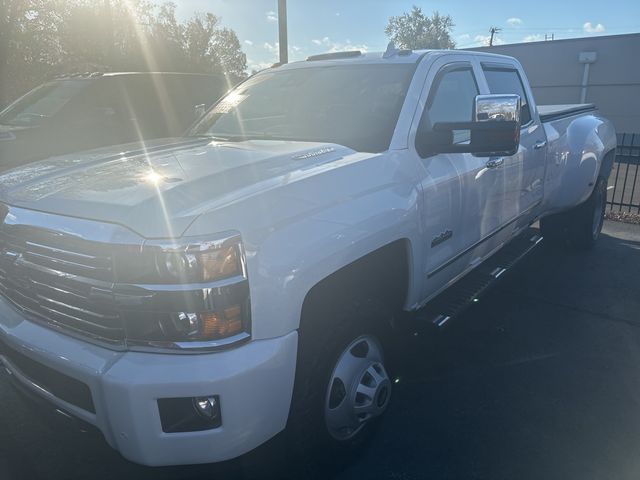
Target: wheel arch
383 273
607 163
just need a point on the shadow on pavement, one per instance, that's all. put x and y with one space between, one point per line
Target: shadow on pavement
540 379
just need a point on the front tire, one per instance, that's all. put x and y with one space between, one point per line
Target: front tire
342 384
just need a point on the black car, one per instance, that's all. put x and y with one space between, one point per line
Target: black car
82 112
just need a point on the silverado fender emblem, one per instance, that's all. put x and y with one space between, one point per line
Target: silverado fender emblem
443 237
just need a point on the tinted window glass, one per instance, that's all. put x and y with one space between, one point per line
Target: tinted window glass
504 81
452 100
42 103
453 97
352 105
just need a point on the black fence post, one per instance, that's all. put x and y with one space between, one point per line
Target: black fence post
626 191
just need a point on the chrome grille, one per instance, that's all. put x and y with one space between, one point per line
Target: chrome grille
60 279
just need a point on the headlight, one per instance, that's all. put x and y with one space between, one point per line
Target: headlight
181 262
184 294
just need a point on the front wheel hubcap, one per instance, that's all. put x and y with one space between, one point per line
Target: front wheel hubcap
359 388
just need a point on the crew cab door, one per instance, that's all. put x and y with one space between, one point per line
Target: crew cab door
524 171
463 196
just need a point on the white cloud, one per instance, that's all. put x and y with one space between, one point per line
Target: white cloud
257 66
295 48
533 38
272 17
514 21
483 40
248 42
332 46
464 37
271 48
588 27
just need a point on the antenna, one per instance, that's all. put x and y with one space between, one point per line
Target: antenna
493 31
391 50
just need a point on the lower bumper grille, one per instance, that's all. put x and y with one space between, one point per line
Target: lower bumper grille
59 385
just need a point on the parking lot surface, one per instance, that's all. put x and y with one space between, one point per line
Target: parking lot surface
540 379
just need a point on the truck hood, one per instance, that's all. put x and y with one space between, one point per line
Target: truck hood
157 190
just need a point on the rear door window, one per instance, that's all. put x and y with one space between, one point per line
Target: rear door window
508 81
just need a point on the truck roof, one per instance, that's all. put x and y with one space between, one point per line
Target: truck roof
388 57
129 74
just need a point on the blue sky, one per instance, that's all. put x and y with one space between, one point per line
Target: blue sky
317 26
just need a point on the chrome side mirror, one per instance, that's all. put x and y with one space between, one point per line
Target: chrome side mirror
494 130
497 108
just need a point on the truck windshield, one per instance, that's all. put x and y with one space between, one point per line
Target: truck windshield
352 105
42 103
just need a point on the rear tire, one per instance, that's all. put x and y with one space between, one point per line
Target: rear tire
579 227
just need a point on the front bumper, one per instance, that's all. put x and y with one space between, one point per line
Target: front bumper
254 383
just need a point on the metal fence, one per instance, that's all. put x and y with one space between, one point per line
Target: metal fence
624 181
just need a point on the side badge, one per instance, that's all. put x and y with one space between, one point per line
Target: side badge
443 237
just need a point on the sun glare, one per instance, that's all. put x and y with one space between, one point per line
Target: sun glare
153 177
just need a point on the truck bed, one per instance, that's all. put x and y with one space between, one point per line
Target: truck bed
549 113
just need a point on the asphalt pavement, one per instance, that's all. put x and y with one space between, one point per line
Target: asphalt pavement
538 380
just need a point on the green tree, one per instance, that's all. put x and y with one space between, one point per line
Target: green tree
414 30
43 38
231 58
28 45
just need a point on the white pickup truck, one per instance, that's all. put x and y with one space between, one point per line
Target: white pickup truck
194 297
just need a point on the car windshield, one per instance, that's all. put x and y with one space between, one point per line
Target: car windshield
42 103
352 105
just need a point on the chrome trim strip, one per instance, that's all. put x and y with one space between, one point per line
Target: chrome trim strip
188 347
122 288
482 240
62 251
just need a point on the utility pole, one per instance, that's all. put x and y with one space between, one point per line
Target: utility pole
108 33
493 31
282 31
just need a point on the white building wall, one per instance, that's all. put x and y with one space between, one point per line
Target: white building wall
556 74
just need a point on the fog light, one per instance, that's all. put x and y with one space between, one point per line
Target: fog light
190 414
207 407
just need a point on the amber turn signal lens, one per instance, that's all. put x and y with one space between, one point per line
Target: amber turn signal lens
220 263
222 324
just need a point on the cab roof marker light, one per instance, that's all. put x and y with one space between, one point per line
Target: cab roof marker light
334 55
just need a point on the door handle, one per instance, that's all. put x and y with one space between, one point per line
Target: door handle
539 145
495 162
